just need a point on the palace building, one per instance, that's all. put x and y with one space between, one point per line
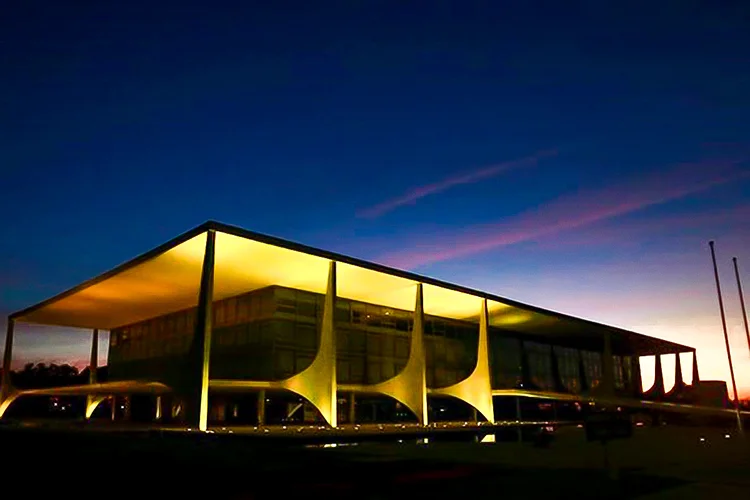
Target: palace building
216 323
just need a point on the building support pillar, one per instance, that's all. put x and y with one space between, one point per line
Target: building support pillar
92 401
352 408
679 383
158 411
261 408
696 374
7 392
410 386
635 375
317 382
476 389
196 409
657 390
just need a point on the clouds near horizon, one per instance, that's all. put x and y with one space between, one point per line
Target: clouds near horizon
570 212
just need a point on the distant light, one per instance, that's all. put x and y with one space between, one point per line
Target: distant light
727 436
702 439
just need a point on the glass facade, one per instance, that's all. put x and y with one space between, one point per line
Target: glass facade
568 364
539 357
272 334
506 361
592 365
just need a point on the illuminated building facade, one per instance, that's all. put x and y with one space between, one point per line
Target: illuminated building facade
219 319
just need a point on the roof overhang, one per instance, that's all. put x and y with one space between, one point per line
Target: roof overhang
167 279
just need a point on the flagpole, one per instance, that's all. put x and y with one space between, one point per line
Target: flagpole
742 300
726 338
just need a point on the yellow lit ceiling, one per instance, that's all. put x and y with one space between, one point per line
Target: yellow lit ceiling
167 280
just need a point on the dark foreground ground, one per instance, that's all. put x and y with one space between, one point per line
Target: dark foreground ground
656 463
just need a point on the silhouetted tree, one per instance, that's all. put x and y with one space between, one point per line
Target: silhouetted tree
41 375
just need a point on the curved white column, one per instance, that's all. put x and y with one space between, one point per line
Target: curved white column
317 382
476 389
409 387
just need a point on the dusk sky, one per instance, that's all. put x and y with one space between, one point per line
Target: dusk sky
578 159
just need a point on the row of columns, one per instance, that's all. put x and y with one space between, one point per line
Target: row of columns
317 383
657 389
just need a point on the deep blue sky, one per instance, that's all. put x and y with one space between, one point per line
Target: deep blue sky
125 123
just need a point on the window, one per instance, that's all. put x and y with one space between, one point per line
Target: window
307 307
388 343
568 368
342 312
402 348
243 308
171 322
373 372
592 363
373 344
231 311
358 313
387 369
342 370
305 336
286 306
284 362
539 357
357 370
180 323
505 361
220 314
356 341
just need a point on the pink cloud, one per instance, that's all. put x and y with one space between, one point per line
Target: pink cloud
634 233
572 212
438 187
